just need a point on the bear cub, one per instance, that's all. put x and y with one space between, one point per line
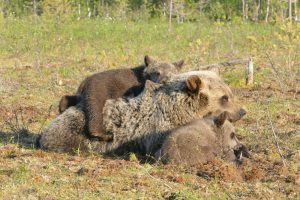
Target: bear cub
112 84
202 140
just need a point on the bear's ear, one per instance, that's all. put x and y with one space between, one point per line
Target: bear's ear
178 64
194 84
148 60
219 120
150 85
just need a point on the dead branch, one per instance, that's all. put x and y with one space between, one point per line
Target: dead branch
223 64
275 72
216 66
275 138
159 180
46 118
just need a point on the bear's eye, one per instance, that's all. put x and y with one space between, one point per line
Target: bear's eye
232 135
225 98
157 73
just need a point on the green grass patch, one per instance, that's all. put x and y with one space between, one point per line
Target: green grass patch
43 59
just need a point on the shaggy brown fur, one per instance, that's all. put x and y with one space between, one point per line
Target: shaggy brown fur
112 84
202 140
140 124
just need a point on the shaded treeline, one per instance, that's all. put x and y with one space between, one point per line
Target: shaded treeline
179 10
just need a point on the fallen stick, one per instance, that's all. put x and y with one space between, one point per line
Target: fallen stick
282 86
276 138
249 69
224 64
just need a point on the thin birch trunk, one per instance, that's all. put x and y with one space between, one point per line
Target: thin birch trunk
170 16
268 10
258 10
34 7
94 8
244 9
79 11
88 9
290 9
296 13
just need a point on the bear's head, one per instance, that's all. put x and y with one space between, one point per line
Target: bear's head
220 97
231 147
159 72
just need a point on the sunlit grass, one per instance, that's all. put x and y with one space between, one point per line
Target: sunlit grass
42 59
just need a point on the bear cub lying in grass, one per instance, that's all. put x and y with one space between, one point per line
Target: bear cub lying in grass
96 89
202 140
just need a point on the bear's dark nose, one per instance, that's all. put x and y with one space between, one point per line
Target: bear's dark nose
241 150
242 112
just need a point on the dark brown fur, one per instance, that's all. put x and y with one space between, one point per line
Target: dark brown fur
112 84
141 124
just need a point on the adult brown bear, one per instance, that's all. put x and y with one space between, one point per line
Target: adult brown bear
112 84
140 124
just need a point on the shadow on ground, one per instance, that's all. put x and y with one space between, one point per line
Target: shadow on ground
22 137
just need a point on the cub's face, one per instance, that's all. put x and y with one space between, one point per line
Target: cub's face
230 140
160 72
231 146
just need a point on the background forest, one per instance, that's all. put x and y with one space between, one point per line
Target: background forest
181 10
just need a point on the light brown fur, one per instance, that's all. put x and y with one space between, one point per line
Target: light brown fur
201 140
141 124
96 89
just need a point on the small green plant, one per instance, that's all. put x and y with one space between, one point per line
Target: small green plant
132 157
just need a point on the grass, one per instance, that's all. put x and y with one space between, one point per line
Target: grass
43 59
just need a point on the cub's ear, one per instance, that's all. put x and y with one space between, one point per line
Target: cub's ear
148 60
219 120
150 85
178 64
194 84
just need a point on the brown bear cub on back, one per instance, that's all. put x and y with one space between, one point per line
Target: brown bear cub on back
202 140
96 89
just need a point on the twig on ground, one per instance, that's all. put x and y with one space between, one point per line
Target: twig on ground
275 138
47 116
159 180
282 86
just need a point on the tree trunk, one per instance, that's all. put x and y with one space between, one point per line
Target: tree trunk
88 8
98 8
244 9
34 7
176 9
258 10
170 16
296 13
89 12
79 11
267 12
94 8
290 9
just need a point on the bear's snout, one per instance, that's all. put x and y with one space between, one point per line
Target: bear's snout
241 151
242 112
